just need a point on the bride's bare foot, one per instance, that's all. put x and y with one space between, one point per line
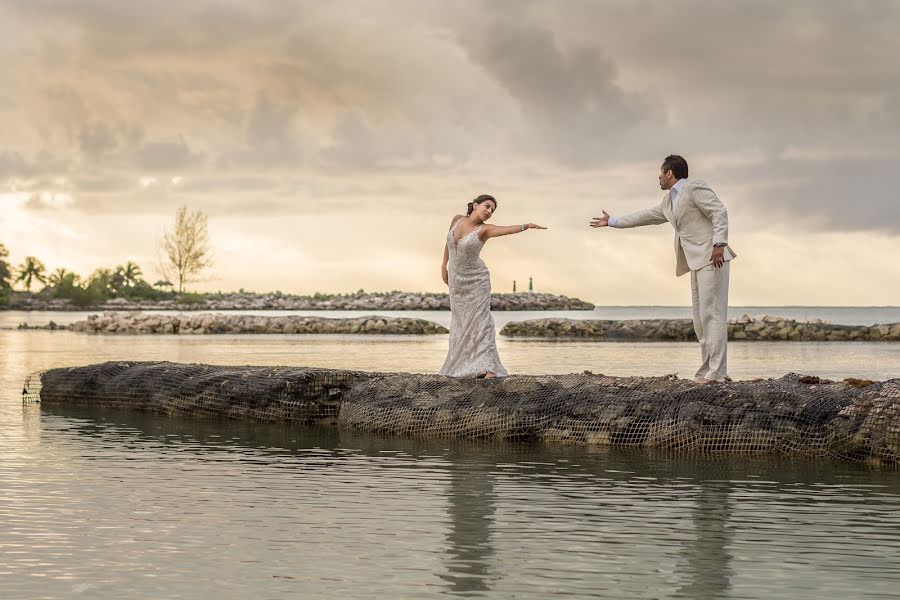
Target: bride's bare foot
490 375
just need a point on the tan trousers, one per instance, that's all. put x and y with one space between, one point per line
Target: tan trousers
709 292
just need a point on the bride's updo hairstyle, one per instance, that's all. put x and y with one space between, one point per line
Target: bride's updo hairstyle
479 200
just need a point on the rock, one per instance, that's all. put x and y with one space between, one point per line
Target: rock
766 328
798 416
373 301
207 324
859 383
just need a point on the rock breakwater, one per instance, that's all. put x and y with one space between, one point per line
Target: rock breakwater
794 416
744 328
204 324
357 301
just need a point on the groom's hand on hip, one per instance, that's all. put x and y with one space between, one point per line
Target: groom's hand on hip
601 221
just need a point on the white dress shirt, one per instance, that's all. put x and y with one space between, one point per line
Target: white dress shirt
674 192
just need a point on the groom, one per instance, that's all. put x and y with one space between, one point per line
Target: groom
701 248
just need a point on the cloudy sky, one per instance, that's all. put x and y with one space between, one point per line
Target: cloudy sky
330 143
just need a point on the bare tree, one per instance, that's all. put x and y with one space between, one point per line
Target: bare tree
186 249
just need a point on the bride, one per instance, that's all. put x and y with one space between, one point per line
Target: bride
473 344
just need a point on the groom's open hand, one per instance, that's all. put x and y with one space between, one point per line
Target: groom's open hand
601 221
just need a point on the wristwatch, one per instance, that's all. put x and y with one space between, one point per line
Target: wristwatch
720 244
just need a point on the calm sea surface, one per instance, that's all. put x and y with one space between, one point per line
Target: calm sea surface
102 504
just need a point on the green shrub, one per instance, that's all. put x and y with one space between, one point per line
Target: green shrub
190 298
144 291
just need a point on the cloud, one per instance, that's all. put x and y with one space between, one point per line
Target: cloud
98 140
268 123
110 183
166 156
377 112
842 194
13 164
23 172
47 202
572 107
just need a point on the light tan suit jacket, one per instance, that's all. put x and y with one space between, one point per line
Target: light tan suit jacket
700 221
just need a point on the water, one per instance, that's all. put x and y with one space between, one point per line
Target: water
33 350
101 504
106 504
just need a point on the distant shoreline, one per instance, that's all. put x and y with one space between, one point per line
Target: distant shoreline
325 302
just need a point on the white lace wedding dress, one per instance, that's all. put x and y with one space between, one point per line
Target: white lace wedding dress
473 338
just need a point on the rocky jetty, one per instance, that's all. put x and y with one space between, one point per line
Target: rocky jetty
357 301
794 416
51 326
203 324
744 328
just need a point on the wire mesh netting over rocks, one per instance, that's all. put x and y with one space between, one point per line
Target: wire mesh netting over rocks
795 415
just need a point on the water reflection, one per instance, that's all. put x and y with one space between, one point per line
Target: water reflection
708 562
471 504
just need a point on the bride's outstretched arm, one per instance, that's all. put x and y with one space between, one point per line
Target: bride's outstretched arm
489 231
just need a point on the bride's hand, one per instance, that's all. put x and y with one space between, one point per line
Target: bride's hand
533 226
445 276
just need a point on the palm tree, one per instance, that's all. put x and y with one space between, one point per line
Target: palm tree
30 271
60 275
100 279
131 273
5 270
116 282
